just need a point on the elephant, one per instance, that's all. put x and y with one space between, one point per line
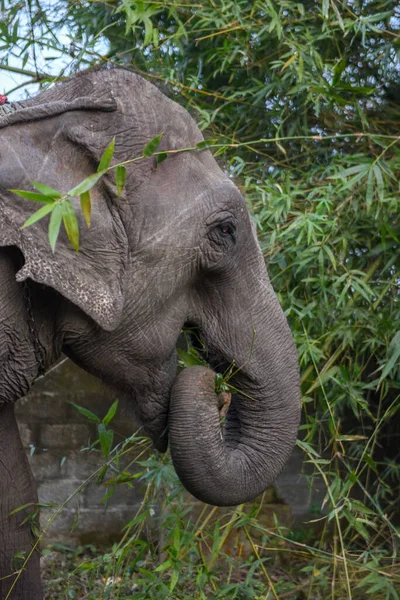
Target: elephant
177 248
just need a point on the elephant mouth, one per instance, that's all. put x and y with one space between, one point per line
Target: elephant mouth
158 435
149 419
157 428
195 340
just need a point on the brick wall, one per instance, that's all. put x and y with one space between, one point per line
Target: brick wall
53 433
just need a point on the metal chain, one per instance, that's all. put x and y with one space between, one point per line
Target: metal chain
37 345
6 107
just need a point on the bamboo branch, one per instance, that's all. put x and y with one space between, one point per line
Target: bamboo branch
20 86
35 76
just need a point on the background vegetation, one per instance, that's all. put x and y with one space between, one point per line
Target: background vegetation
303 100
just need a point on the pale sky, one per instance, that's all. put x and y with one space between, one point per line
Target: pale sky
48 60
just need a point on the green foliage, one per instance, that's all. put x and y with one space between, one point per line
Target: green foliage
174 548
106 158
86 207
120 177
152 146
106 435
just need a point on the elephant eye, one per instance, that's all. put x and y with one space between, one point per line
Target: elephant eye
227 229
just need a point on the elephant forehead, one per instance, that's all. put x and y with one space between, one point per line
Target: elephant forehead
190 186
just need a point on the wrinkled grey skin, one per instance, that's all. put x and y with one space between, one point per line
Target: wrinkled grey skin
177 248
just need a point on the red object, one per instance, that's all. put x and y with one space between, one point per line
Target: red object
3 99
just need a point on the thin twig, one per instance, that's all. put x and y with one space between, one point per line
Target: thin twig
36 76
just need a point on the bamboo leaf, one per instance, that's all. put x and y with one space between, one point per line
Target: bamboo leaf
174 579
55 224
204 144
391 232
106 158
39 214
358 526
71 223
331 256
152 146
338 70
289 61
338 16
379 182
167 564
86 207
307 448
300 72
394 356
177 538
85 185
85 567
221 150
161 157
120 178
374 18
156 37
111 413
363 168
47 190
86 412
106 438
22 507
33 196
148 28
370 189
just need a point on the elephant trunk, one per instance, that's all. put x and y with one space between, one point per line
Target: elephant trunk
231 465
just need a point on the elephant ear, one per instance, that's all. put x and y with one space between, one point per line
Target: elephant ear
59 144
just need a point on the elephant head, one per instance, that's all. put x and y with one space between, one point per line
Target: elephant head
177 248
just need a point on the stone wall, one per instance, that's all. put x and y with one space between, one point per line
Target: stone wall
54 434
